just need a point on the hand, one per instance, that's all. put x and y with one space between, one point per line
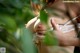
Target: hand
41 29
56 28
65 39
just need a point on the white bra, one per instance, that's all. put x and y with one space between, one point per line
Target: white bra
67 28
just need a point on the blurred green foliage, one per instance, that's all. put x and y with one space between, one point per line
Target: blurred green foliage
28 46
43 17
13 16
50 38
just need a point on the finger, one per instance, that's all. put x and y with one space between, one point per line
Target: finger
54 24
32 21
36 23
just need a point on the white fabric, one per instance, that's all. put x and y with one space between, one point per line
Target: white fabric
67 28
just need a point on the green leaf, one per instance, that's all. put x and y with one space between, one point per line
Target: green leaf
50 40
43 16
27 43
8 22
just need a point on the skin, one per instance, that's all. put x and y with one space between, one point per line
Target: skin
67 40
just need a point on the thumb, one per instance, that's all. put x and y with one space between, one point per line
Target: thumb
54 25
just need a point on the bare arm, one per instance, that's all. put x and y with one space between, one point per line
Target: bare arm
68 41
